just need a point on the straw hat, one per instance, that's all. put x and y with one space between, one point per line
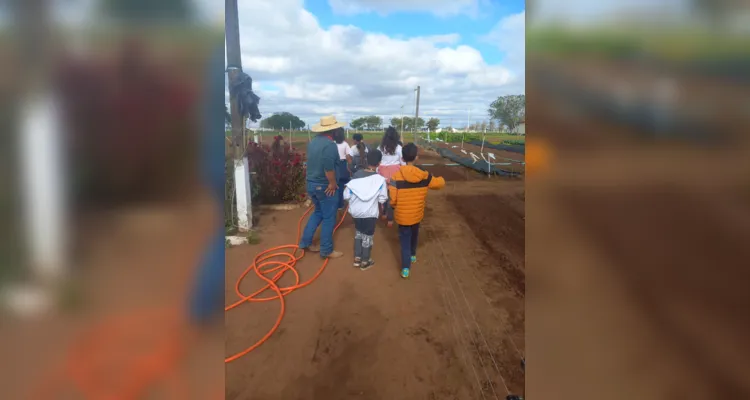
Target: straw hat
327 123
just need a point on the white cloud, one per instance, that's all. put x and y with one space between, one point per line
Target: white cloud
384 7
509 35
300 67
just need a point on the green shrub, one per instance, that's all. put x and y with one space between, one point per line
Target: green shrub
456 137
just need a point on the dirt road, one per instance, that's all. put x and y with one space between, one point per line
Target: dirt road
454 330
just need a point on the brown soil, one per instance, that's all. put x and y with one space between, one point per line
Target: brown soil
454 330
132 260
644 266
569 125
637 260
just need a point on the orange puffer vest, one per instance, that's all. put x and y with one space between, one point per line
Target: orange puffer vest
408 193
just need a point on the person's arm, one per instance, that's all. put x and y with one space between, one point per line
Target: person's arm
437 183
332 186
330 155
393 192
383 193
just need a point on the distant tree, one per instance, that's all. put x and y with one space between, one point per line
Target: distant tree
396 123
408 123
373 122
491 126
483 126
358 123
370 123
227 117
432 124
509 110
283 120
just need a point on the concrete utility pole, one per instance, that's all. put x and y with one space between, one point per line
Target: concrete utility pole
234 67
402 119
241 167
416 118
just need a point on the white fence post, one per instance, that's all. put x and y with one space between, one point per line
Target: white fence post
242 185
45 188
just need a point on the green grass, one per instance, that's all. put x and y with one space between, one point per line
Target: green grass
684 44
495 138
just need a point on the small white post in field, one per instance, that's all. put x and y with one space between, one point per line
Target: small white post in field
484 136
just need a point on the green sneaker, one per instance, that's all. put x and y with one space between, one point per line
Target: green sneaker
404 273
413 259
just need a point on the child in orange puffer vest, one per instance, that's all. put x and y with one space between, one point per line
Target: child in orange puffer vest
408 195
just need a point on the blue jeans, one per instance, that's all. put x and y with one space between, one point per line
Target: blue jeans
324 215
408 236
207 299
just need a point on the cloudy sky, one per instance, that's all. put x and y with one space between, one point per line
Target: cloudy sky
361 57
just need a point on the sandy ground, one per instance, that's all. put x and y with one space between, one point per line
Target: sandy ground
132 261
454 330
637 257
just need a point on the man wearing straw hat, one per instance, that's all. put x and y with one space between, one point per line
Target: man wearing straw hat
322 157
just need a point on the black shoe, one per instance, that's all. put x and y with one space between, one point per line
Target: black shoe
366 265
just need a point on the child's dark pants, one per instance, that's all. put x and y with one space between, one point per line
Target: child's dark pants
408 235
363 238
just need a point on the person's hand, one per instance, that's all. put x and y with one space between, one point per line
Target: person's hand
331 189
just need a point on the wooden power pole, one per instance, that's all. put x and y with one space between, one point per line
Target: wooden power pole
234 67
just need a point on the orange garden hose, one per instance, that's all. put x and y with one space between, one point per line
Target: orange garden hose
262 266
127 355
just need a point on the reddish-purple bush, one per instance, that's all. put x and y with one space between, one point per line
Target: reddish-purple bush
279 172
